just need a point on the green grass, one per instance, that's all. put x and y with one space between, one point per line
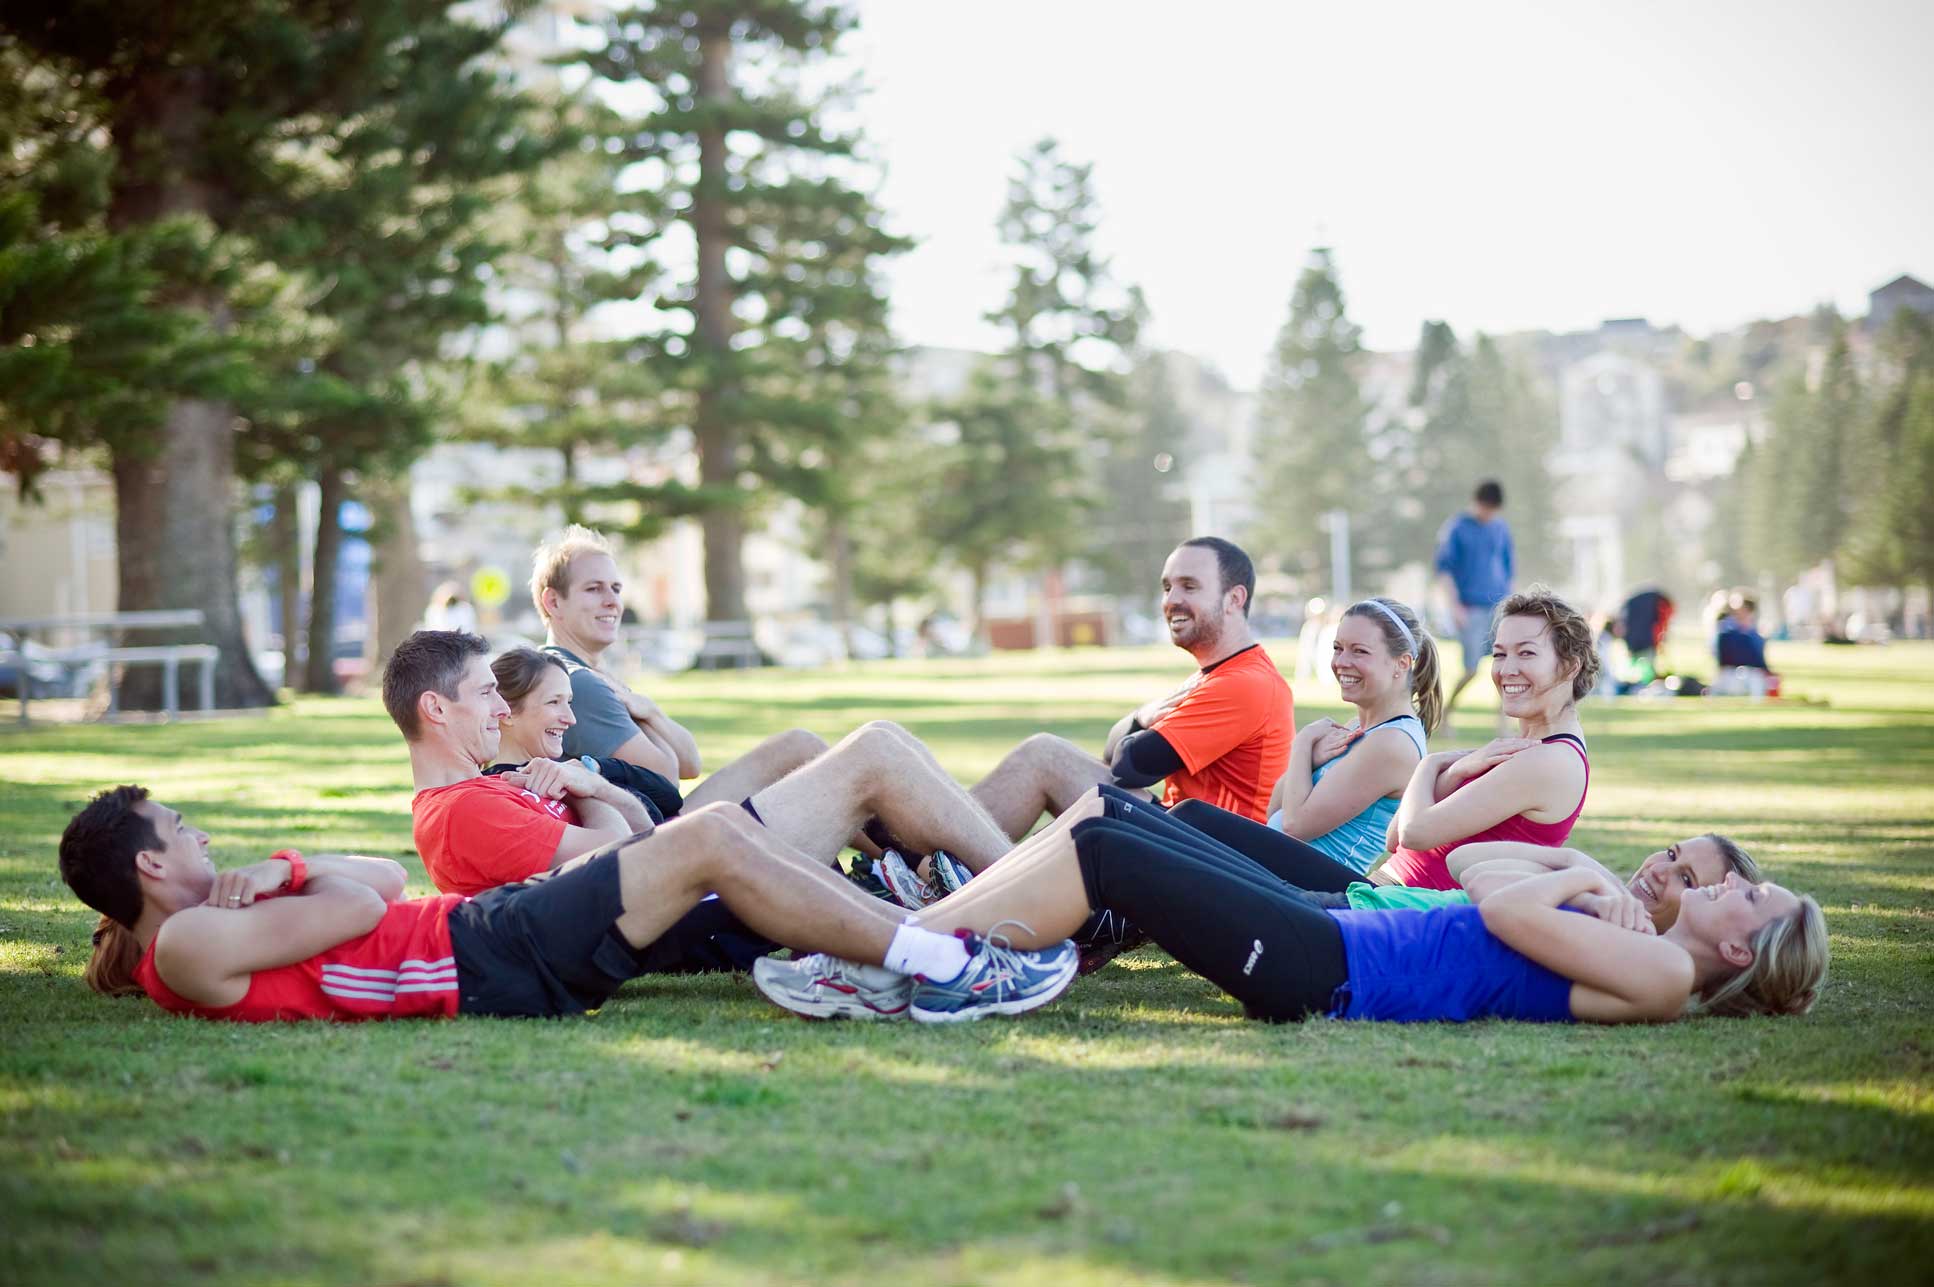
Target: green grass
1138 1131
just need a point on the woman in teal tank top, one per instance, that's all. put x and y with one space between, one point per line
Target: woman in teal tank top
1344 781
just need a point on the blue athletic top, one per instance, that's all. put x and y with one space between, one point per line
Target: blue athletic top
1442 965
1358 843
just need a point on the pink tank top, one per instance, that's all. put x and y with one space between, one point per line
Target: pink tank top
1426 869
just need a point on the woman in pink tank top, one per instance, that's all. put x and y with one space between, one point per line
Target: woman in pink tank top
1528 788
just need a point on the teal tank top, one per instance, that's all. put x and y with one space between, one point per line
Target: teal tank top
1358 843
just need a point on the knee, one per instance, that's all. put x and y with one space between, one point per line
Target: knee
1043 748
800 745
1190 812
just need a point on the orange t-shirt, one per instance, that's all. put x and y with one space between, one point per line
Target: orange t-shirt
1233 732
484 832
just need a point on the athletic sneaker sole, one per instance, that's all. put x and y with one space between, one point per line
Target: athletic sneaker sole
813 1008
1019 1005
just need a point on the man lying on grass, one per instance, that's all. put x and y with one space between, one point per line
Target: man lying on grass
476 831
333 938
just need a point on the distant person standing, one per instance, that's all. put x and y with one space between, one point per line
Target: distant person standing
1474 555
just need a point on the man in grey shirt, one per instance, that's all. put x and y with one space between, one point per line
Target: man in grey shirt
575 585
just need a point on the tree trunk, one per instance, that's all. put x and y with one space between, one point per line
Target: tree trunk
719 437
402 582
839 553
175 492
319 670
287 537
174 528
979 574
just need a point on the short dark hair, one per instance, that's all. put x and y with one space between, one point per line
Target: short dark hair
1231 564
1489 492
97 852
428 661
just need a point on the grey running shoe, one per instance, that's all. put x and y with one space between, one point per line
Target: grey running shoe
908 890
827 987
997 979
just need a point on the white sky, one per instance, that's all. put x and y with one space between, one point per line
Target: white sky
1504 166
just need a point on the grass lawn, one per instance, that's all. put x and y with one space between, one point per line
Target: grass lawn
1137 1131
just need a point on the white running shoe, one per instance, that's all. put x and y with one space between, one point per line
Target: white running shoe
904 883
828 987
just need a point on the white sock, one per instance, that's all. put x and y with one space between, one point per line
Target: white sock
923 951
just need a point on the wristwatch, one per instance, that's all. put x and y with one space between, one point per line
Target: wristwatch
298 870
589 761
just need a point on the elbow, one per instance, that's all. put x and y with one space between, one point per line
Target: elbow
1414 836
370 905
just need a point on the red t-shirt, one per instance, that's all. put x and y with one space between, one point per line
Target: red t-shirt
484 832
402 969
1233 732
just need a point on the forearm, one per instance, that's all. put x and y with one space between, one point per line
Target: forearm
380 874
1419 794
1550 890
1293 787
676 741
613 808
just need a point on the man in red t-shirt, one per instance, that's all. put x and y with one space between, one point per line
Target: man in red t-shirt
1223 736
476 832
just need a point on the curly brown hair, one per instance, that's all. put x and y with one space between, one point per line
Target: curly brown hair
1571 634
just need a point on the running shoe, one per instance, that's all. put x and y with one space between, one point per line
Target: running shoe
997 979
908 890
828 987
949 873
865 872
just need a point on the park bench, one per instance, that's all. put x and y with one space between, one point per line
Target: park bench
108 648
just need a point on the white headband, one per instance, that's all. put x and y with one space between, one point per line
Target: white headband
1409 639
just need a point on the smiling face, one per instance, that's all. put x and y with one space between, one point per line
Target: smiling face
535 727
1194 604
1361 661
181 851
589 611
1530 679
1725 916
1666 877
470 720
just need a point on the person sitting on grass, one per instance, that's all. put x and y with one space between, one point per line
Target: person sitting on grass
333 938
475 832
1343 782
576 587
1734 948
1223 736
537 688
1529 789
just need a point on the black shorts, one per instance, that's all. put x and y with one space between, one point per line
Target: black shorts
550 947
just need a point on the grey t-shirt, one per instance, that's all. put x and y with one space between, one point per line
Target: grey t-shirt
603 723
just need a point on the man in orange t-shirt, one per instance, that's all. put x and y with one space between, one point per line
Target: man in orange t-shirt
1223 736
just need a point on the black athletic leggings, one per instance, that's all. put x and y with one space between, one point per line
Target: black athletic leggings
1298 863
1222 915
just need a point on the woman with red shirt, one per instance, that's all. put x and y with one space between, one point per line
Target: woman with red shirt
1530 788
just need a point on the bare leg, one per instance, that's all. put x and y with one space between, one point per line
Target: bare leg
758 768
1038 887
873 772
1044 774
780 894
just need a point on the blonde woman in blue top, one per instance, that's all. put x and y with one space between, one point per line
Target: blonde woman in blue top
1345 780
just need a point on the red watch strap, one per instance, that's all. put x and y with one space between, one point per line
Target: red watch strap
298 869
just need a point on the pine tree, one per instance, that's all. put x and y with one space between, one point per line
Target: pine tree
1312 446
1882 518
218 132
785 245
